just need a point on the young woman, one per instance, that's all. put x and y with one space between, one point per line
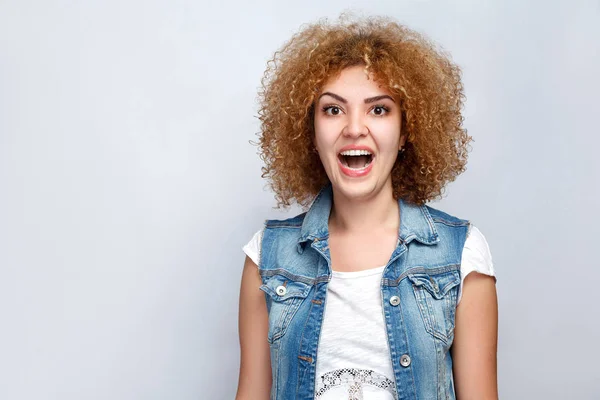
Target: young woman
370 294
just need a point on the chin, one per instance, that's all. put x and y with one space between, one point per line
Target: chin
356 190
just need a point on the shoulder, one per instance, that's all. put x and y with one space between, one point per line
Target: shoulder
475 242
450 228
252 248
274 231
476 247
441 217
282 234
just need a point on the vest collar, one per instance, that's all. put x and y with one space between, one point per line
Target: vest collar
415 221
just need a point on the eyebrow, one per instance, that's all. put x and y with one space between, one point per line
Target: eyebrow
367 101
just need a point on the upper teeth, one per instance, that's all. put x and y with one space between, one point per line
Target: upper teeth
355 153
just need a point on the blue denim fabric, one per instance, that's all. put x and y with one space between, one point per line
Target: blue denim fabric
423 271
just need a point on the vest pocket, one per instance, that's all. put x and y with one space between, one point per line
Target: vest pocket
436 297
284 297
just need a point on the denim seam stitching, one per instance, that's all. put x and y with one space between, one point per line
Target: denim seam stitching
283 272
302 338
282 225
429 219
449 223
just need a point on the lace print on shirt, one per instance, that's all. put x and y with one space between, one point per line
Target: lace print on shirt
354 380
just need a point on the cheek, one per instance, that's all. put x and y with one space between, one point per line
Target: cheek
323 139
388 143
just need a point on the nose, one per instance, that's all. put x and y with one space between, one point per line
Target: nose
356 126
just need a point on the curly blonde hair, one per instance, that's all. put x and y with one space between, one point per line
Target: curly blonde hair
412 67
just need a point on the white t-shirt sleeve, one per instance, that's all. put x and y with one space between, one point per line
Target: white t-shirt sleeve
252 248
476 256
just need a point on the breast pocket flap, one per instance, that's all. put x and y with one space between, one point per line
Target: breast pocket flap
281 288
438 285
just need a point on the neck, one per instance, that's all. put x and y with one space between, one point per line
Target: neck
374 213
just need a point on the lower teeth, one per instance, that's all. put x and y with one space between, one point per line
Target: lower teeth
358 169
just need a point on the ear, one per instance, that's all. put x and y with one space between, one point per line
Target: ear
314 144
402 141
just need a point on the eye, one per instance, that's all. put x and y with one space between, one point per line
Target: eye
380 110
332 110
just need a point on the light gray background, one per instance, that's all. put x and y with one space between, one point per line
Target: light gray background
128 186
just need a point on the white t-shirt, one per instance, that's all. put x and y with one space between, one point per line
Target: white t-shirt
354 359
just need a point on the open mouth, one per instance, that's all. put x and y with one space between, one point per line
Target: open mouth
355 159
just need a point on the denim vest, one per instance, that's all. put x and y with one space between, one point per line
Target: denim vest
419 290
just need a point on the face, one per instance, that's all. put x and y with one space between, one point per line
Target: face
357 133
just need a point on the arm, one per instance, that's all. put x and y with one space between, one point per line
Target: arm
255 363
476 340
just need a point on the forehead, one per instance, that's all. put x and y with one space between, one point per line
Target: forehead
355 80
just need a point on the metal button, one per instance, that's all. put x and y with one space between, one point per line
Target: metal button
405 360
281 290
434 284
394 300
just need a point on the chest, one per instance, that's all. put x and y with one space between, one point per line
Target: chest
359 252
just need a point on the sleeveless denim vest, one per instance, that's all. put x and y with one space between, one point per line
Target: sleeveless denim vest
418 289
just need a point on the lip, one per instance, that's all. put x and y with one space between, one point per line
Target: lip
354 173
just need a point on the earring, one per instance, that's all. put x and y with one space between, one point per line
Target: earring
401 151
